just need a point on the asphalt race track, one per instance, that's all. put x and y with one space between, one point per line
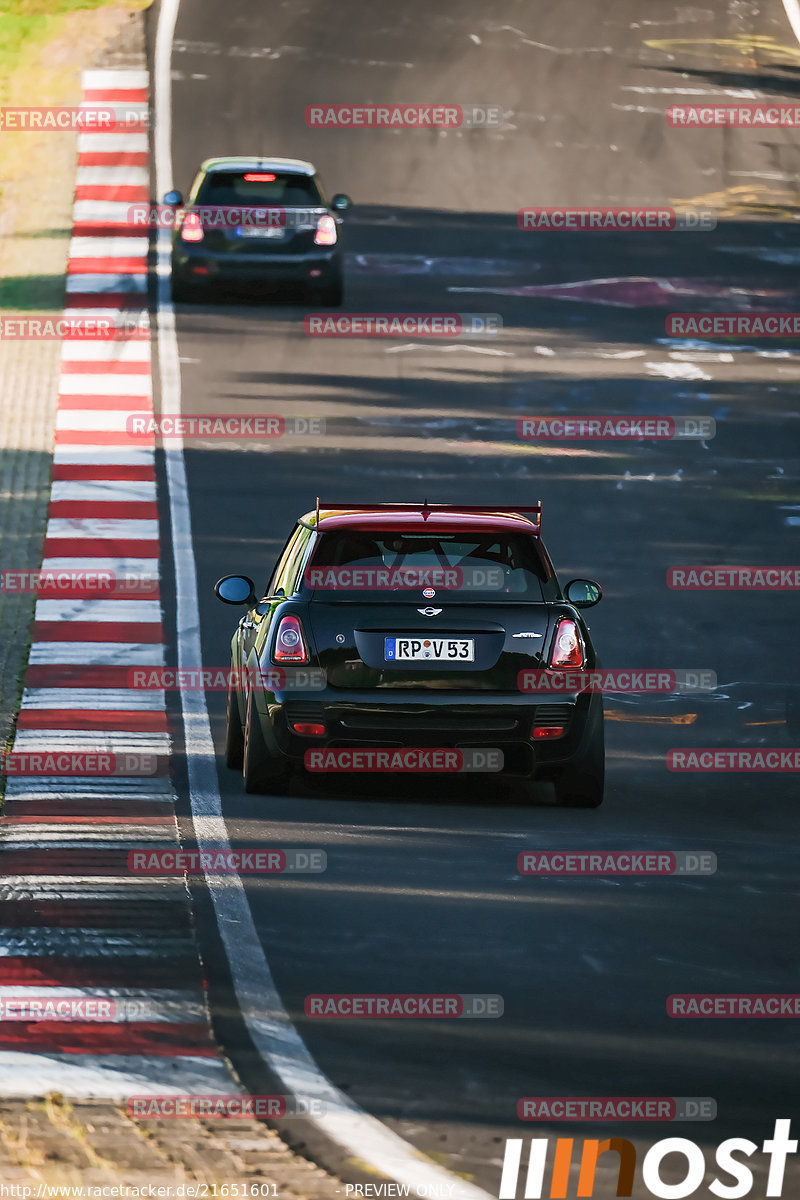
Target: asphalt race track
421 891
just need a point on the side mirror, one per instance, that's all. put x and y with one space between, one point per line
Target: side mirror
583 593
235 589
340 202
173 199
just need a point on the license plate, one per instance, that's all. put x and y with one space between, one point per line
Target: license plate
259 231
403 649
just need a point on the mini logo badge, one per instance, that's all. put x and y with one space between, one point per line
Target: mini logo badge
429 593
429 612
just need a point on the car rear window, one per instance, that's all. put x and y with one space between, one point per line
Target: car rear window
232 188
350 563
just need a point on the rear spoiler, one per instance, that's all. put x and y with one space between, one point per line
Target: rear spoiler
515 509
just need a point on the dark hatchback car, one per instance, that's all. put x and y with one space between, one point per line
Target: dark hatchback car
416 624
258 221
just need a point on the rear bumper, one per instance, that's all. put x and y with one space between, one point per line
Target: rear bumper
446 722
203 268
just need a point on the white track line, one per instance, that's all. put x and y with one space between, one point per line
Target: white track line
108 176
93 383
94 699
131 490
360 1135
792 8
99 456
146 568
107 282
123 528
97 654
108 247
111 1077
132 350
113 79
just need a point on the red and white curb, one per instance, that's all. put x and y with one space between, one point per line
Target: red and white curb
75 922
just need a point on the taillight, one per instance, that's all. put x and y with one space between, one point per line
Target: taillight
568 649
541 732
309 729
326 232
192 228
290 644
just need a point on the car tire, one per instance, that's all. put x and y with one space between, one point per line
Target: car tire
582 783
183 292
234 734
262 771
329 297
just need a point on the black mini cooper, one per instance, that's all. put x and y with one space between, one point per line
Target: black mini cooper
257 221
398 626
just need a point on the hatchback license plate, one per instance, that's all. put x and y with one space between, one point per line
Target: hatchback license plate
404 649
259 231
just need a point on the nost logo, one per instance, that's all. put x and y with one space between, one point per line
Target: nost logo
692 1167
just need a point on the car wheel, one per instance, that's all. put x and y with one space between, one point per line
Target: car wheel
234 734
329 297
582 784
262 771
183 292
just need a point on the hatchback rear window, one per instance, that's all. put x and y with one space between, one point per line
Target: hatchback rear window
462 566
232 188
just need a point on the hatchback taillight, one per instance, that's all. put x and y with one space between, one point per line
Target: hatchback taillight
545 732
192 228
326 232
568 648
309 728
290 643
